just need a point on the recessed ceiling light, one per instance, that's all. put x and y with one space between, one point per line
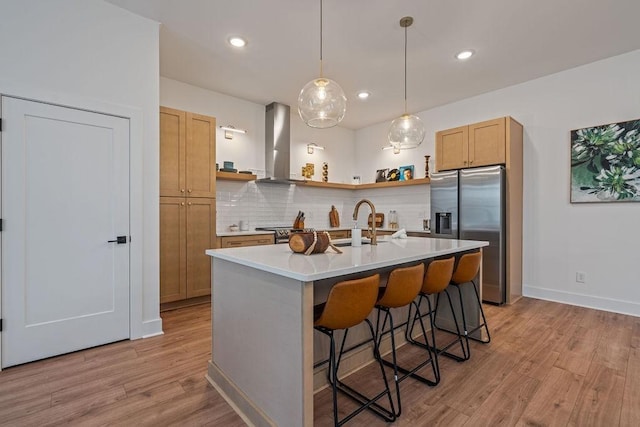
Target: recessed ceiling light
237 41
465 54
363 94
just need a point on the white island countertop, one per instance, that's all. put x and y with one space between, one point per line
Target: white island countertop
280 260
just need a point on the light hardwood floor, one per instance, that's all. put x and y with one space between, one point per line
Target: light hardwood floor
548 364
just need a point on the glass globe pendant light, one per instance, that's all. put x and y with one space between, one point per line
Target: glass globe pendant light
407 131
322 103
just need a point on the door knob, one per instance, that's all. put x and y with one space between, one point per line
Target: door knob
121 240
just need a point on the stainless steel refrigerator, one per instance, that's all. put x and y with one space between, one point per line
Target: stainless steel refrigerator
470 204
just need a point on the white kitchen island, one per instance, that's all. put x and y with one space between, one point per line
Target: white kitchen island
262 318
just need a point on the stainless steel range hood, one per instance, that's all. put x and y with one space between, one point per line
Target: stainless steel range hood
277 145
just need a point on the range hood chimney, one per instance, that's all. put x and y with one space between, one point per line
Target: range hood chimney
277 144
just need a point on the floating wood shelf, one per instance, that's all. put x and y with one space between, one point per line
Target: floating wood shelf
231 176
250 177
419 181
327 185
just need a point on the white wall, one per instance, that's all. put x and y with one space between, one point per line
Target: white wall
93 55
560 238
247 151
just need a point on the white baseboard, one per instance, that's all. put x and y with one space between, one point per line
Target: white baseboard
152 328
589 301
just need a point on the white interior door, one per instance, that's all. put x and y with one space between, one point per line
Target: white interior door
65 194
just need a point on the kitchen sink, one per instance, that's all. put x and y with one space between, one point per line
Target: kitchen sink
347 242
365 241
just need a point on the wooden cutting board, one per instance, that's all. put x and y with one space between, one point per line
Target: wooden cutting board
334 217
379 220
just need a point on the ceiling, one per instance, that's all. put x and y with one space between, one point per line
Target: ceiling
514 41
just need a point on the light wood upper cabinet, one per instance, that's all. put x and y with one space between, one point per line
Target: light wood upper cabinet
487 143
173 143
452 148
187 154
478 144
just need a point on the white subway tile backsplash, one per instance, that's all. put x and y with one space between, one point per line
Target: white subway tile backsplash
272 204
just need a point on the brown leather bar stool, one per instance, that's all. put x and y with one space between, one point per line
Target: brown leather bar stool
402 289
465 273
436 279
348 304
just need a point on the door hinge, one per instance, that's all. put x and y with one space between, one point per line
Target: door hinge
0 224
0 325
0 124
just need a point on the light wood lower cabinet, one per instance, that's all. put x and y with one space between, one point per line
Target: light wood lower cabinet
187 229
245 240
339 234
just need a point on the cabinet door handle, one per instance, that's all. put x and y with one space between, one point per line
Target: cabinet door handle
471 162
182 190
235 243
189 203
189 190
182 204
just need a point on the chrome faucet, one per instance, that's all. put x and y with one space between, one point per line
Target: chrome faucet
374 240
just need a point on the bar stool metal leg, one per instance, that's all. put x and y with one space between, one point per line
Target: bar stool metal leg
465 273
348 304
468 332
440 350
401 290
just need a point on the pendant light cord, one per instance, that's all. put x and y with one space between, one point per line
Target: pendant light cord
405 70
320 38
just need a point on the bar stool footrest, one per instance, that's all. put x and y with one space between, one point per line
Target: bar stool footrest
365 402
412 373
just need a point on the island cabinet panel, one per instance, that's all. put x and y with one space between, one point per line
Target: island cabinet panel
187 154
478 144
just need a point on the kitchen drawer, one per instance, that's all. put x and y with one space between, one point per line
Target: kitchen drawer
339 234
365 233
246 240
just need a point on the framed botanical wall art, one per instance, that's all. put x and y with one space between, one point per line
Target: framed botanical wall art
605 163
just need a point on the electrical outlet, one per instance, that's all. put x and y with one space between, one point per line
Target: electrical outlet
581 276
